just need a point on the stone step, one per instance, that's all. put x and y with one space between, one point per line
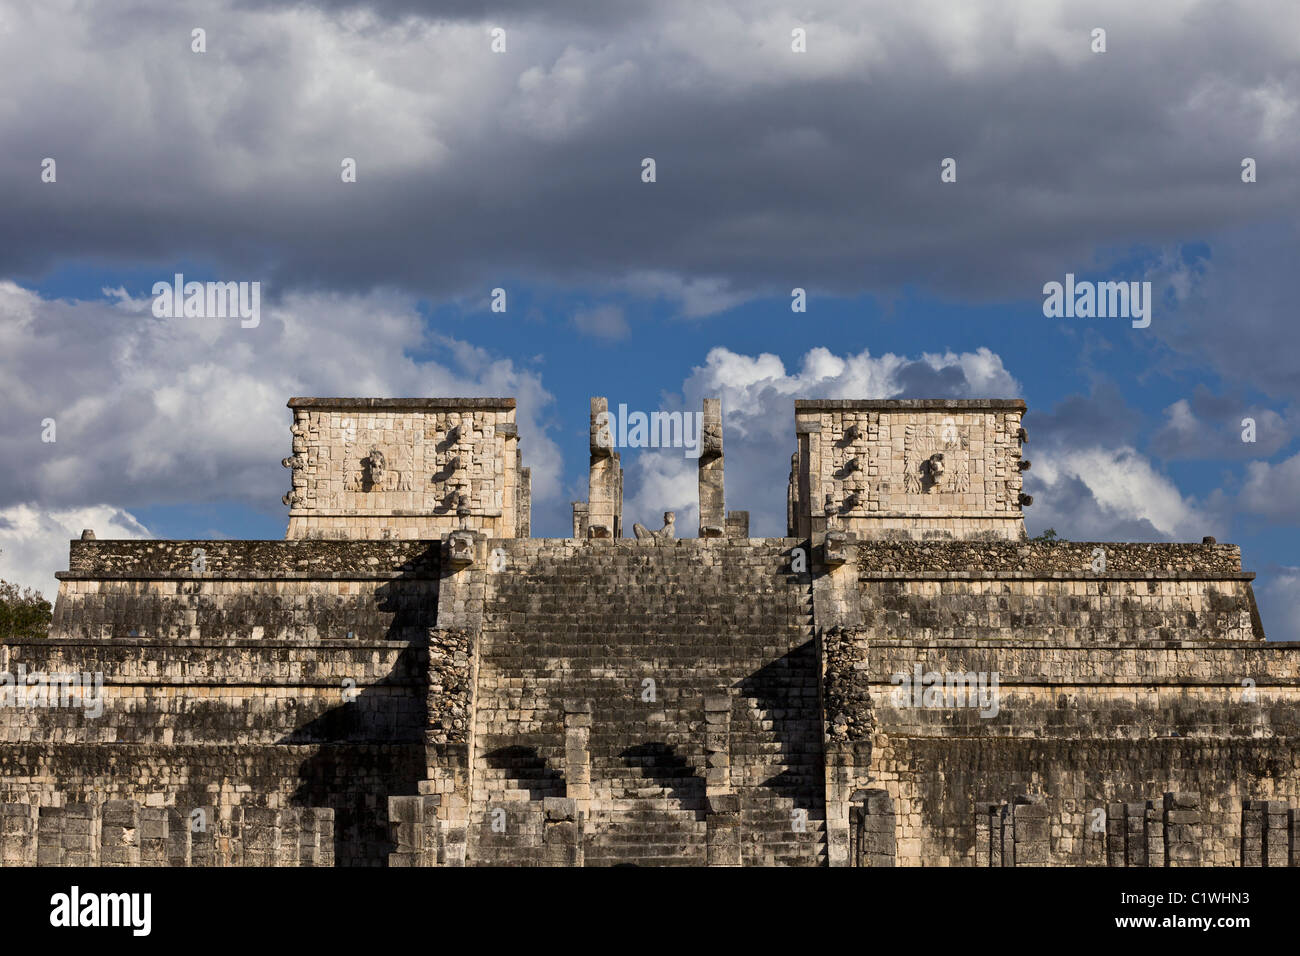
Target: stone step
703 622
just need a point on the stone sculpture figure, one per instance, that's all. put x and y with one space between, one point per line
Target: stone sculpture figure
665 533
376 468
294 496
934 469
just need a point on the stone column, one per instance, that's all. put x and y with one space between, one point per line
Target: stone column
577 754
982 812
1155 834
1277 849
1029 824
524 500
178 837
580 520
1265 840
1116 854
290 840
988 834
812 504
846 763
415 830
562 835
1182 829
712 494
1252 834
1093 842
68 836
1294 820
605 477
509 483
119 840
18 834
1135 825
1005 837
873 829
230 846
203 839
49 837
261 836
316 836
723 830
737 524
153 836
792 499
1135 834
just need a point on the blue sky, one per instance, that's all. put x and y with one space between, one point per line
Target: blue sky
775 170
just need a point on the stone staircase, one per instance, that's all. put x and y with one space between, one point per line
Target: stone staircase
643 633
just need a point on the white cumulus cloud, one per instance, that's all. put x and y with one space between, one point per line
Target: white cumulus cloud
34 541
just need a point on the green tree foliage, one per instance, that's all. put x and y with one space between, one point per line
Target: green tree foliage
24 612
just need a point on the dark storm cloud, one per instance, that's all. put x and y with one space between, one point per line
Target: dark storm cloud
508 11
475 168
1236 310
1101 418
1206 426
920 378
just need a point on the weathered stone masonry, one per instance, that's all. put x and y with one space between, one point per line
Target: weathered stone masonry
286 674
908 469
408 468
411 679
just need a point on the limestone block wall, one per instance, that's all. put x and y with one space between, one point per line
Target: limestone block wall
284 675
1159 689
1107 690
125 833
258 693
922 469
1082 727
307 590
941 780
405 468
1037 590
1047 559
351 780
1270 833
1012 606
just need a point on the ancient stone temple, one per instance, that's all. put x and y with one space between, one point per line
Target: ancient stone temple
411 679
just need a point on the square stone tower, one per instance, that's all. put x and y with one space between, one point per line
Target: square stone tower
908 468
406 468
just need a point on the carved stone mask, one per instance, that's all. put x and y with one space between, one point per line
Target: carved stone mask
376 466
935 464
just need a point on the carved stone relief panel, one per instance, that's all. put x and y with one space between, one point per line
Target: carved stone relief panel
854 468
